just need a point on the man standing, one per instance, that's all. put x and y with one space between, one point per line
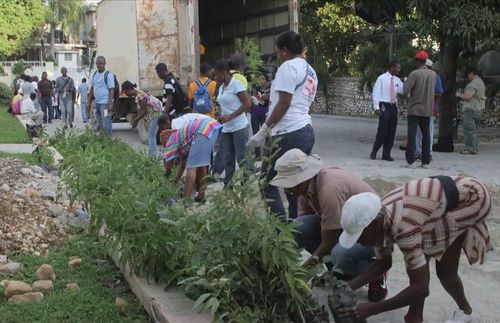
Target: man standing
322 192
102 90
384 95
174 98
65 86
83 92
45 93
474 98
420 87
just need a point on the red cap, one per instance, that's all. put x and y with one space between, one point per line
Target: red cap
421 55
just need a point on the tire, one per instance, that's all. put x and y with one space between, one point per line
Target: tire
142 131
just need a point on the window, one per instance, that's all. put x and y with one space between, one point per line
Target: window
68 57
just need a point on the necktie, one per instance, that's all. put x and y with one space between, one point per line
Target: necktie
392 91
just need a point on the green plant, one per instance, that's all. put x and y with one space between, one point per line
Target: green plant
250 49
19 67
232 256
5 94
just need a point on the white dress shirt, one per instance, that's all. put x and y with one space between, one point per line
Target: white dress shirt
27 105
382 89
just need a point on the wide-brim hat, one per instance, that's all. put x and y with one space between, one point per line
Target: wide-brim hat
294 168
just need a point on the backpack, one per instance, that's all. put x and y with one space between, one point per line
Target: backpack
116 93
202 102
16 107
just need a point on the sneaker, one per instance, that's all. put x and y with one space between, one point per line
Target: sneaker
373 156
468 152
50 121
459 317
410 166
425 166
377 289
388 158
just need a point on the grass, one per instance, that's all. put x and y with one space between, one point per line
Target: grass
11 130
99 280
29 158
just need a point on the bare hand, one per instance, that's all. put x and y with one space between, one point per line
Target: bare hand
134 124
361 311
458 94
110 107
224 119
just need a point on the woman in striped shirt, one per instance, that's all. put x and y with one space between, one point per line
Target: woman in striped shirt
192 145
427 218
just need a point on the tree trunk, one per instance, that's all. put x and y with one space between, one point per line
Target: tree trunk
53 41
448 107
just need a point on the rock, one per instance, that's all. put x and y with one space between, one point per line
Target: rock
73 287
45 272
49 195
5 187
4 283
37 254
16 287
56 211
3 259
12 268
77 222
27 171
28 298
44 286
121 303
37 169
75 262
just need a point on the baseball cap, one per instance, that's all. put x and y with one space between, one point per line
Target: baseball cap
429 63
422 55
358 212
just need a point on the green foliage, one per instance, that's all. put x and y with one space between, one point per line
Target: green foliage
5 94
250 49
19 67
96 277
11 130
232 256
19 19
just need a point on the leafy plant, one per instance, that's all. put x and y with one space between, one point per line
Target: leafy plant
5 94
19 67
250 49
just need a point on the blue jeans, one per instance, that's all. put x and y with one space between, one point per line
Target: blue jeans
85 115
418 143
103 122
152 132
470 122
351 262
46 104
234 148
66 110
302 139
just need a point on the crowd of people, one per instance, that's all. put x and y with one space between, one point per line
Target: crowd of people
207 131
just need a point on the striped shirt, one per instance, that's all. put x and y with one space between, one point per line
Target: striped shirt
180 140
417 222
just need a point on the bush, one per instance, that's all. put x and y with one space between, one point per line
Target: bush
235 258
19 67
5 94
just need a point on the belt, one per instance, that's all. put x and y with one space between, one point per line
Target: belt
450 191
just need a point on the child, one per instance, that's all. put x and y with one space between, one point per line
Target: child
192 146
55 103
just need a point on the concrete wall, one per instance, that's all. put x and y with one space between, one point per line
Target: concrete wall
345 99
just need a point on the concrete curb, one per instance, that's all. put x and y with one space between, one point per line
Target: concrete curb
163 306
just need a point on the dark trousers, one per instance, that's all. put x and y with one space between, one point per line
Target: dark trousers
302 139
386 132
413 123
46 104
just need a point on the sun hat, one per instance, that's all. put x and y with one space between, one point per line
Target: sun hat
295 167
422 55
429 63
358 212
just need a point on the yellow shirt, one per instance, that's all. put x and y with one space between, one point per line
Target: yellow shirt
16 98
211 90
240 77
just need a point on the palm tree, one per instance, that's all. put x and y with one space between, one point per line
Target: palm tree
69 15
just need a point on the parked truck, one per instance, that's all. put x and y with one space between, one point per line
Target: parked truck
135 35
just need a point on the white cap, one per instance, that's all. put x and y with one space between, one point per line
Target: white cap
429 63
358 212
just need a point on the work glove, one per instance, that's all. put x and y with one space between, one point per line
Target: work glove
259 139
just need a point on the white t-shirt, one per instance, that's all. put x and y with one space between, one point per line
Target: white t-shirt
230 102
27 105
183 120
288 78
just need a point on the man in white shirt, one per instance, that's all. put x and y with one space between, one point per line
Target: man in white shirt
384 96
28 110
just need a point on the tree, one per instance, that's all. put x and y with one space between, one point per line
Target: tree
18 20
67 14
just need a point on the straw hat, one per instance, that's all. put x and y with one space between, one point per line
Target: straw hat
295 167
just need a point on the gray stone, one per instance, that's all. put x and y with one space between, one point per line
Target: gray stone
44 286
56 211
27 171
45 272
38 169
49 195
5 187
16 287
27 298
11 268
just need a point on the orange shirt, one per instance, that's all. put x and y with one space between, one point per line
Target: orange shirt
211 89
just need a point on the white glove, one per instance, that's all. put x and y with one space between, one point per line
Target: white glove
259 139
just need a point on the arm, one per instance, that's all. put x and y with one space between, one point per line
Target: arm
180 171
329 239
284 101
168 103
467 95
110 99
376 94
90 96
409 84
377 269
245 106
418 289
142 113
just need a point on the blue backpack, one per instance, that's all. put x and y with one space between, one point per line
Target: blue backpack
202 102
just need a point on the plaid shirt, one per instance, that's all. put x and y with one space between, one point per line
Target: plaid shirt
180 140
